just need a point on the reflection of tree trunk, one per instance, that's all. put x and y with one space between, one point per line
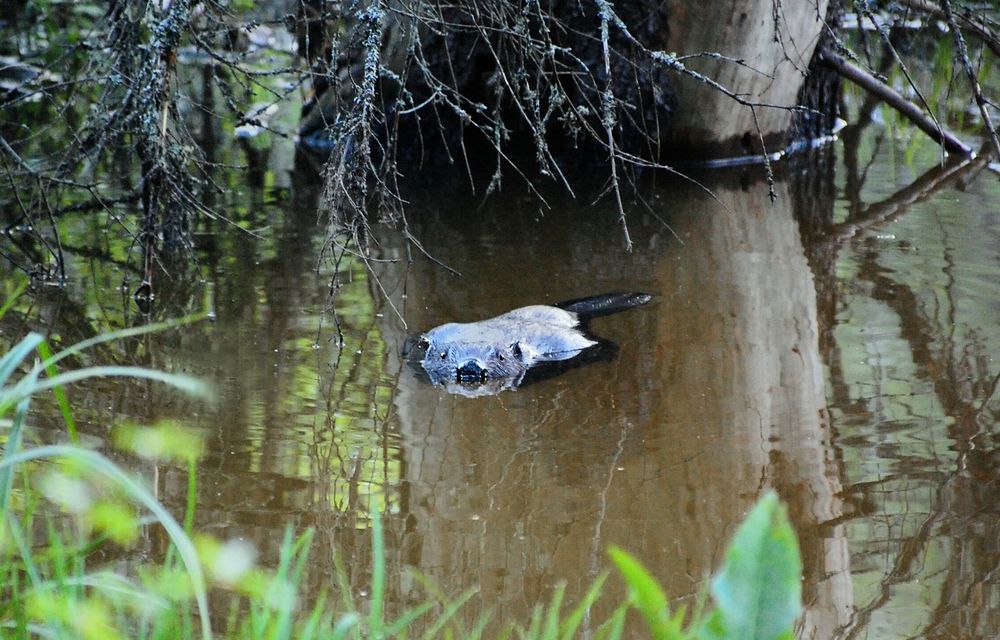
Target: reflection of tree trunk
751 375
718 391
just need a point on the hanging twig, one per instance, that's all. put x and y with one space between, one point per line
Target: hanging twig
978 25
963 55
608 119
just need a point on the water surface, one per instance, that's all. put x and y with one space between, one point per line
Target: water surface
839 345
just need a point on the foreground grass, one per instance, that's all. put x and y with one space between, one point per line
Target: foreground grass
50 587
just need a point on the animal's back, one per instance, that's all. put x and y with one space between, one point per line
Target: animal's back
506 327
539 314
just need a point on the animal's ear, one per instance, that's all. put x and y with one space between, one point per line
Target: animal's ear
516 350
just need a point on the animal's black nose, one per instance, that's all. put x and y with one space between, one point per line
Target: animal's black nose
471 371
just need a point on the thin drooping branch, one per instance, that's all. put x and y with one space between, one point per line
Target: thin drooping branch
119 92
977 91
608 119
884 33
979 25
891 97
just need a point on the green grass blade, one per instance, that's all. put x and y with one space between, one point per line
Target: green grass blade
343 584
13 359
51 371
119 587
449 612
615 626
9 302
12 448
102 465
192 495
185 383
317 621
569 626
407 619
758 592
647 595
347 622
121 333
285 558
297 551
479 628
23 548
535 628
550 631
378 574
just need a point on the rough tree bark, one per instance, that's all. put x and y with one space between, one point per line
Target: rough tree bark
767 47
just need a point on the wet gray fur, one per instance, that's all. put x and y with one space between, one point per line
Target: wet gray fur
508 345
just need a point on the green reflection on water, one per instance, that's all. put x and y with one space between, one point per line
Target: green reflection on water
917 337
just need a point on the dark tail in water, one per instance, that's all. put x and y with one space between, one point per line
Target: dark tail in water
604 305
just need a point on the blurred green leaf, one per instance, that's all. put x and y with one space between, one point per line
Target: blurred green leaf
164 441
648 596
99 464
758 592
116 520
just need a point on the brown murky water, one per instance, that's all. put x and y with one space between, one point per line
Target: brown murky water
840 345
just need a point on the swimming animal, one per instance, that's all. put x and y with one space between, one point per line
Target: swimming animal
489 356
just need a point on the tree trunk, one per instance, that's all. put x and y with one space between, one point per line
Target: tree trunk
774 42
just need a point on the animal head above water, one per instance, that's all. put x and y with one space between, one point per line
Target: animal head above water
472 362
493 355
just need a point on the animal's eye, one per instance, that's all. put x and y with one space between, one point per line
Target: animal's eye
500 356
444 355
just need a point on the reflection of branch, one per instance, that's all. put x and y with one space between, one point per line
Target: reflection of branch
932 181
32 172
989 396
919 333
891 97
96 203
102 256
901 571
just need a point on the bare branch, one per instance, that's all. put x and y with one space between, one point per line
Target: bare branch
892 97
